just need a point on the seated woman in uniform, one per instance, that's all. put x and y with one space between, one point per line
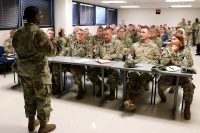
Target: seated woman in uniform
174 55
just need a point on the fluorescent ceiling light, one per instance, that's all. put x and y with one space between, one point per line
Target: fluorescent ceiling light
130 6
180 6
86 5
179 0
112 2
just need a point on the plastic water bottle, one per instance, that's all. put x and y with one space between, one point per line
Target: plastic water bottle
129 58
184 64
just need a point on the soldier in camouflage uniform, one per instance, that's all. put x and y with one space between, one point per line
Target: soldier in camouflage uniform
61 41
32 47
135 36
8 48
110 50
144 51
182 24
198 39
97 41
194 30
72 36
126 41
188 31
79 48
173 56
155 37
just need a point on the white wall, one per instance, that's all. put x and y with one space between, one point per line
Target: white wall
148 16
4 34
63 17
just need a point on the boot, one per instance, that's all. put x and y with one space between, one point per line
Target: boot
162 95
45 128
112 94
187 113
80 94
130 105
172 89
32 123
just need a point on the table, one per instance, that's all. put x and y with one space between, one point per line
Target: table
141 67
80 61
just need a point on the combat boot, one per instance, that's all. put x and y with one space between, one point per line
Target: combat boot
129 105
80 94
172 89
45 128
187 113
32 123
162 95
112 94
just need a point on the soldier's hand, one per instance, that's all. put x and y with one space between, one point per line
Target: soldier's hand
106 57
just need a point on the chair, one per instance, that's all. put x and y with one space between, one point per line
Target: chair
4 61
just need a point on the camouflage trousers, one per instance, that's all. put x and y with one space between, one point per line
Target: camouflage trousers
193 38
112 78
76 71
37 98
137 83
186 84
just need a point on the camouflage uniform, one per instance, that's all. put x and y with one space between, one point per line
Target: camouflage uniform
135 38
115 51
188 30
97 42
55 67
142 53
34 70
79 50
194 32
72 37
8 48
172 58
182 25
198 39
158 41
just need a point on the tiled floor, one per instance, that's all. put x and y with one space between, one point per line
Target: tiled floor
85 116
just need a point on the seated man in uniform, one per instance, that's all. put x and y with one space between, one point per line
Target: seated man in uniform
144 51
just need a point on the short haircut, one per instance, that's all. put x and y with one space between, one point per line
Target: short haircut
100 27
50 29
30 13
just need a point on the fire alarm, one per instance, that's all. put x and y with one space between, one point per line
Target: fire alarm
158 11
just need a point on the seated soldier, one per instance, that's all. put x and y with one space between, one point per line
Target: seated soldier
144 51
79 48
173 56
8 48
110 50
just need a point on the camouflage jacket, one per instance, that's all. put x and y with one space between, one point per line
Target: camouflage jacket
197 34
158 41
81 50
32 47
145 53
113 49
170 57
8 48
64 42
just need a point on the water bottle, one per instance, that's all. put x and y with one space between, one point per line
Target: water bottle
129 58
184 64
